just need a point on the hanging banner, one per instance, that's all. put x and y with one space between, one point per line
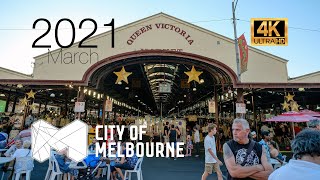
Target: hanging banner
79 106
211 106
164 88
243 49
184 84
108 105
136 83
240 108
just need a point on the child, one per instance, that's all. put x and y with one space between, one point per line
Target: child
189 146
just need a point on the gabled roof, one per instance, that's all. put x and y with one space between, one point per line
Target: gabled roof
161 14
10 74
307 78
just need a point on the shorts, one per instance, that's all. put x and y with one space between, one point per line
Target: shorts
209 167
112 168
124 166
166 139
174 144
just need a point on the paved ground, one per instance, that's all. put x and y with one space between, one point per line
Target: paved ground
189 168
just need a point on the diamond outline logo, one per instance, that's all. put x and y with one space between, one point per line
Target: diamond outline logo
73 136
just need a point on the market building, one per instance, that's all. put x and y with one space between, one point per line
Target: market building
155 58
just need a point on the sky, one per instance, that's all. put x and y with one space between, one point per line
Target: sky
17 18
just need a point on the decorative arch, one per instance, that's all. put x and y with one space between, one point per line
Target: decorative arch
211 65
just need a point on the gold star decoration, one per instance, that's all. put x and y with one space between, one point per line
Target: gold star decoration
122 75
24 101
31 94
193 75
294 106
32 106
289 97
285 106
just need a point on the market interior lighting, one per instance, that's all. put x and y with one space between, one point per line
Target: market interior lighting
2 95
194 89
126 87
201 81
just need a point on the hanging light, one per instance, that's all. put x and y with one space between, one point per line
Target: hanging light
2 95
52 95
194 89
126 87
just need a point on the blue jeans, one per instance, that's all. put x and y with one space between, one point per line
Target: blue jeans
197 148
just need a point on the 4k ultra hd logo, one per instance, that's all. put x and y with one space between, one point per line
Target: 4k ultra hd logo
269 31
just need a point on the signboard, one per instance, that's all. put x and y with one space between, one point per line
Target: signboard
211 106
2 105
136 83
184 84
240 108
79 106
192 117
108 107
18 122
164 88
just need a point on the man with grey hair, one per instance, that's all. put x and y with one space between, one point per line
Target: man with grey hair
245 158
306 154
314 124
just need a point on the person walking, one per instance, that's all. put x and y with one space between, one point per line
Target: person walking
211 160
196 140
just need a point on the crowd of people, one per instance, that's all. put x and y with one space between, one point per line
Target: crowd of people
244 155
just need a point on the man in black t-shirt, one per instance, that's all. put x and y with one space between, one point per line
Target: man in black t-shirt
173 139
240 165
